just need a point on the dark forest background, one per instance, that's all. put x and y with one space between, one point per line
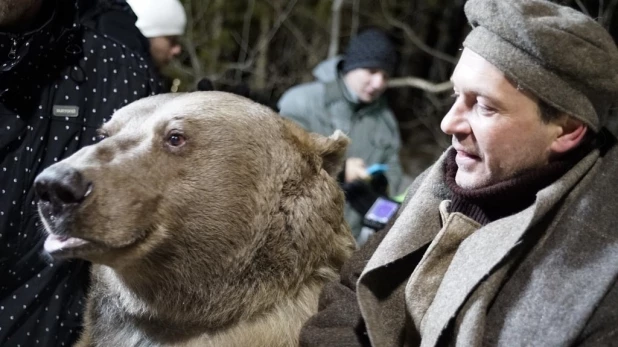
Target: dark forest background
268 46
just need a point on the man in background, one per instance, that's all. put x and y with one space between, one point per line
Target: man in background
348 95
162 22
59 81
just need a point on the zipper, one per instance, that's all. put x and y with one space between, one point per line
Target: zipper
13 51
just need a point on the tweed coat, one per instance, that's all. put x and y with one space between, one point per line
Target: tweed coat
556 261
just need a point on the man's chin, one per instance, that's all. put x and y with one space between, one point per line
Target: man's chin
469 180
367 99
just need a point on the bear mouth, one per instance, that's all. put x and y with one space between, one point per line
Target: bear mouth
64 246
57 245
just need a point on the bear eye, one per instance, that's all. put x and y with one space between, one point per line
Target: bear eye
176 140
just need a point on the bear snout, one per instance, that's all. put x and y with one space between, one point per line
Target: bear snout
60 188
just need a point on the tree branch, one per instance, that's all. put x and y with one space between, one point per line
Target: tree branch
333 47
414 38
420 83
244 41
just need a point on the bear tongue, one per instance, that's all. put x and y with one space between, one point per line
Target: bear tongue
55 243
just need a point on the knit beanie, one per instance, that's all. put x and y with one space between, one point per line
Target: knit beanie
157 18
559 54
370 49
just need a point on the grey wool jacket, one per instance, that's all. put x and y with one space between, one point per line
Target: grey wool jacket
545 276
322 107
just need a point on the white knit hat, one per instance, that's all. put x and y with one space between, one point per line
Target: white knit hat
159 17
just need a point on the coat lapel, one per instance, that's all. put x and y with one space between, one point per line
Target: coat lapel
488 249
475 259
395 259
417 224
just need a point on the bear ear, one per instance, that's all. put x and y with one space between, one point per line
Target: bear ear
332 150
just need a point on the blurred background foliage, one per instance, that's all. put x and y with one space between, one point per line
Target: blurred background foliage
267 46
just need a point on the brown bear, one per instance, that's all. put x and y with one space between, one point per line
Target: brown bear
210 221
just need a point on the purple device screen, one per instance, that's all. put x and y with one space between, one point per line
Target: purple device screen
383 209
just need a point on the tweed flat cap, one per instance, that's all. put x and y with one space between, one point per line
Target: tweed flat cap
559 54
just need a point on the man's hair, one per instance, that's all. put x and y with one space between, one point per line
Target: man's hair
548 112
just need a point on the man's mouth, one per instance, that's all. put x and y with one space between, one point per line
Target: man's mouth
56 245
469 155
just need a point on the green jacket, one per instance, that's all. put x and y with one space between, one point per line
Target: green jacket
325 105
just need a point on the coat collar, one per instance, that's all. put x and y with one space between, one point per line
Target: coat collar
420 214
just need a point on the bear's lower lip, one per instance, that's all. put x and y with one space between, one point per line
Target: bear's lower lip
55 243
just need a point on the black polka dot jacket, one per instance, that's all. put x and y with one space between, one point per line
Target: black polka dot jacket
58 84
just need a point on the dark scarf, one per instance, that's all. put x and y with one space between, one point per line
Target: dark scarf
505 198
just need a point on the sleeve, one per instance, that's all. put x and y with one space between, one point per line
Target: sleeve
339 321
290 106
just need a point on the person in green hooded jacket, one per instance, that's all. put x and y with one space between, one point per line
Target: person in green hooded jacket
349 95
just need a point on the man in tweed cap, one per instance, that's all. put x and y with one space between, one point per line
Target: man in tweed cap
348 95
510 239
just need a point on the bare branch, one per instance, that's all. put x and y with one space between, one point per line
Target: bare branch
189 43
609 12
298 35
262 43
200 16
244 42
414 38
333 47
354 27
582 7
420 83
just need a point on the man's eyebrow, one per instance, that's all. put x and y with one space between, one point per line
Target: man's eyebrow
480 92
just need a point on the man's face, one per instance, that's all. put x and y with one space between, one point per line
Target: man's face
496 128
12 11
163 49
367 84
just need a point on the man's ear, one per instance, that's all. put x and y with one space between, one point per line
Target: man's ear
572 134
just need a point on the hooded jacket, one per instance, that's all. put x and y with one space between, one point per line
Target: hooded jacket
325 105
58 84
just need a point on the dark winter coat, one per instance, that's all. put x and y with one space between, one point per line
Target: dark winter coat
58 84
546 276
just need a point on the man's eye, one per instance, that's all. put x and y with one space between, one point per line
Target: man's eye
484 108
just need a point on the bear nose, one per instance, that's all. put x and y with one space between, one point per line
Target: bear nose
61 186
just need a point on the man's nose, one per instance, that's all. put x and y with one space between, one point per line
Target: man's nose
62 186
176 50
379 80
454 122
